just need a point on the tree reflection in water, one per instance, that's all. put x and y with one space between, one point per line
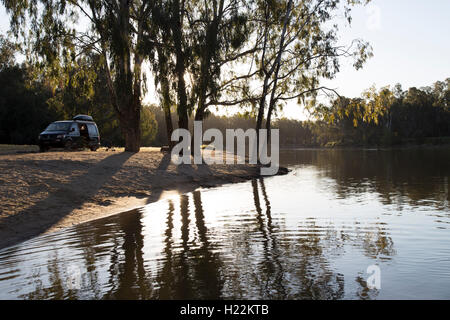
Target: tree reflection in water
167 276
253 252
193 271
131 279
399 177
269 260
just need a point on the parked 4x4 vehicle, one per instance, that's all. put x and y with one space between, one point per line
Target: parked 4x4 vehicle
70 134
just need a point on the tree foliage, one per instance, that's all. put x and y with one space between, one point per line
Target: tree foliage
30 100
388 115
59 31
203 54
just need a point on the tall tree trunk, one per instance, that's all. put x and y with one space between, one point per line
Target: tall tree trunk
260 118
165 90
268 121
262 106
130 121
182 110
128 81
277 65
169 124
209 52
180 68
272 102
267 74
262 101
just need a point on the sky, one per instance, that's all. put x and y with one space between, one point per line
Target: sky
410 41
411 46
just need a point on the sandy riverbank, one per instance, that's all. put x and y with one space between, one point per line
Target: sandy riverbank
44 192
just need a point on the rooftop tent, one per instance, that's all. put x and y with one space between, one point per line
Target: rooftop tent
83 117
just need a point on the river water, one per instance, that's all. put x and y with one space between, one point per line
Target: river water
336 222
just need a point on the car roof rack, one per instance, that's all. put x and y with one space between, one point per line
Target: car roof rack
83 117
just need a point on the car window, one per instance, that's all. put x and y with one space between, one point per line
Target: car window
76 131
92 129
58 126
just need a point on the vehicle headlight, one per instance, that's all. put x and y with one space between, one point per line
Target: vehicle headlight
60 136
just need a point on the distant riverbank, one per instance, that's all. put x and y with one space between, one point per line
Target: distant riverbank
44 192
406 143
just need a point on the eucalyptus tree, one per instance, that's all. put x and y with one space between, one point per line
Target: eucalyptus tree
222 31
228 53
173 55
201 39
197 40
7 53
177 10
113 29
162 63
300 48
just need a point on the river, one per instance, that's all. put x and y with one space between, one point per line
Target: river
316 233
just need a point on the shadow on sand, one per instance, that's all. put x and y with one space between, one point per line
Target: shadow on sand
64 197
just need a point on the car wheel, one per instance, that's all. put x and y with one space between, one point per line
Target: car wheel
68 145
